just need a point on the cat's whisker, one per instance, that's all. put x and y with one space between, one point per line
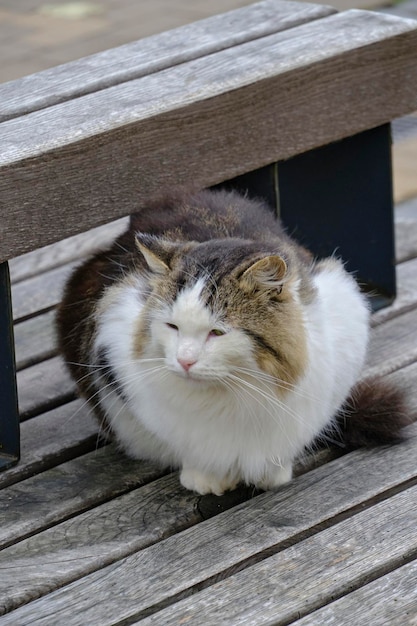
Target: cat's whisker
266 408
285 385
273 400
241 396
109 385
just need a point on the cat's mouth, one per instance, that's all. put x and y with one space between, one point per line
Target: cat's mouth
196 377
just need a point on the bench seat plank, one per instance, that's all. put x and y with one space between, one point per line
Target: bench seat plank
392 346
52 438
35 339
234 539
308 575
406 293
389 600
43 386
40 293
69 489
152 54
100 156
61 252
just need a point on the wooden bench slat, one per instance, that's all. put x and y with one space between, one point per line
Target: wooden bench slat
103 155
303 578
35 340
406 293
69 489
53 438
389 600
160 572
392 346
152 54
40 293
406 230
43 386
74 248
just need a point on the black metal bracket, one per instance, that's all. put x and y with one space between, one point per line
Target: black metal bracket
9 414
338 199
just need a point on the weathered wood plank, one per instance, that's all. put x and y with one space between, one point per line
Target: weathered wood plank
269 522
94 539
103 155
68 489
65 251
35 340
53 438
406 299
43 386
311 574
389 600
406 230
39 293
393 344
152 54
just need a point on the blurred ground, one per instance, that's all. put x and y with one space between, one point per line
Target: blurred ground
35 35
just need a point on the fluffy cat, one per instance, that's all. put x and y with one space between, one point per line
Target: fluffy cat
207 340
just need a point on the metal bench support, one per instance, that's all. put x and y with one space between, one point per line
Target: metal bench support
338 199
9 414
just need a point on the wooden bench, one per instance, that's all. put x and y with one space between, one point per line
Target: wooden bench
287 100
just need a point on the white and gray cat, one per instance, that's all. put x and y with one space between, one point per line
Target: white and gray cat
207 340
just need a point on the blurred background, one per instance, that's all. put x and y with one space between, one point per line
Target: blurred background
35 35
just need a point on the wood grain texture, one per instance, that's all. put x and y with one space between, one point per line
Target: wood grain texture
53 438
304 577
103 155
247 532
406 230
389 600
73 248
393 344
40 293
152 54
35 340
406 298
43 386
59 493
84 543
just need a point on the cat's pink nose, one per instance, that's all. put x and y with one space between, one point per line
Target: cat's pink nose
186 363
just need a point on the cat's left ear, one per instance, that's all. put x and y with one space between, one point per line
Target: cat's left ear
267 273
152 254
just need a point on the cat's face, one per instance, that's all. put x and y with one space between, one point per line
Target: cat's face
199 343
218 310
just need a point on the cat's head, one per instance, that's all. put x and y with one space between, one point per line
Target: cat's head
219 308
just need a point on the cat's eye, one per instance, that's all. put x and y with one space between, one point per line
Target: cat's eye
173 326
216 332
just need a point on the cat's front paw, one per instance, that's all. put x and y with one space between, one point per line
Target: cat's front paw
274 477
204 483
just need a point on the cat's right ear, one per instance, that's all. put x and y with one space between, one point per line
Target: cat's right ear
155 263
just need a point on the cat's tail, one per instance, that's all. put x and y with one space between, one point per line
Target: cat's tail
376 413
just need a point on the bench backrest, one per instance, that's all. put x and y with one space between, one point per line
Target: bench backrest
197 105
